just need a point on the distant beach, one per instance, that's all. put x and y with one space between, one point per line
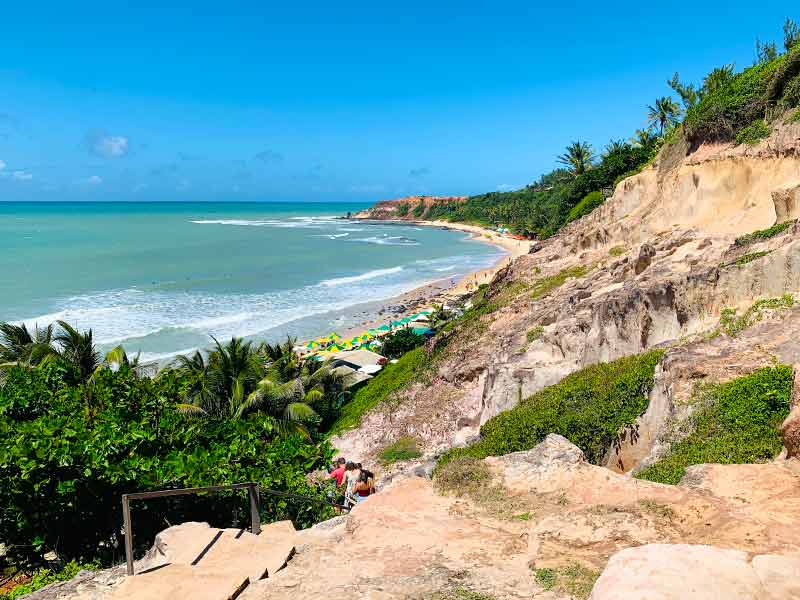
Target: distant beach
161 278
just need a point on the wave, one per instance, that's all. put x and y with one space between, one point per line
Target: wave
362 277
387 240
260 223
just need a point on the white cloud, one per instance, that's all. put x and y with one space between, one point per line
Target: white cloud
103 144
506 187
183 184
92 180
21 175
2 165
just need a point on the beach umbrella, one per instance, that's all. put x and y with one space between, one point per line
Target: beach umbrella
312 344
335 348
422 330
334 336
384 328
426 312
365 337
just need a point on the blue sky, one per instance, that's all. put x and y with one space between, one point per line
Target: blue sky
335 101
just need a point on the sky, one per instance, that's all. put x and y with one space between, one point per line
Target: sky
348 101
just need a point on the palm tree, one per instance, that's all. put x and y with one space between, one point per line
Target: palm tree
237 379
578 158
18 345
119 358
644 138
663 114
614 146
77 350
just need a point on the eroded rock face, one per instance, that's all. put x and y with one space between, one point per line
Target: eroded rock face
686 572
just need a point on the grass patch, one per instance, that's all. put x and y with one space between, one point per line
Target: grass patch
44 577
574 579
753 133
736 422
545 285
794 117
660 510
746 259
461 594
534 334
763 234
588 407
734 325
391 378
406 448
617 250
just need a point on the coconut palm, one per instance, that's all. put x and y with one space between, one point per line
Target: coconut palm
117 357
663 114
77 350
578 158
237 379
614 146
644 138
18 345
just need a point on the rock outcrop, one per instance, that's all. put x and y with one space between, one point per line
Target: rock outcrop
681 571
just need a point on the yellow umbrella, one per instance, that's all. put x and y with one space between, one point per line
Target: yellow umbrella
334 348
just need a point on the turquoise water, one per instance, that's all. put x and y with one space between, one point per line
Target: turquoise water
161 278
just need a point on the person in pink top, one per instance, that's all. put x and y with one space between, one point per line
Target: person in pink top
339 472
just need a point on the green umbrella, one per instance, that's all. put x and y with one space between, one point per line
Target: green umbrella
384 328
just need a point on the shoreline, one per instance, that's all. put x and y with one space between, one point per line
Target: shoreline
448 289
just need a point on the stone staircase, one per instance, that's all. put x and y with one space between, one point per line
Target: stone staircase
193 561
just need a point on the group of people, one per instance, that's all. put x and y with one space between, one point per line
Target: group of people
356 482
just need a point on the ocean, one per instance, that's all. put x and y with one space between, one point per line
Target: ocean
160 278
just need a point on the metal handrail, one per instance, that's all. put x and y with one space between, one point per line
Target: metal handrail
253 490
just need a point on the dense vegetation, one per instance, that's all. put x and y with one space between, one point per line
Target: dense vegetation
726 106
79 431
736 422
588 408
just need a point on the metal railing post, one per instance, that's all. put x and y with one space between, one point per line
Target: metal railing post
255 508
126 519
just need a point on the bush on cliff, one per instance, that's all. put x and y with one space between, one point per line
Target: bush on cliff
587 407
585 206
737 422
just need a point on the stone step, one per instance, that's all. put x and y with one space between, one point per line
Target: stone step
194 561
180 582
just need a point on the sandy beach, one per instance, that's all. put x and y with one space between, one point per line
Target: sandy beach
448 289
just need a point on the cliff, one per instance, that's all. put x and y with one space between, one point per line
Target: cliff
409 208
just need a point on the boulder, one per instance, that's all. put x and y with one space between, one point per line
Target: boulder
686 572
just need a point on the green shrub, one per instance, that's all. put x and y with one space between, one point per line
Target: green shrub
723 112
795 116
753 133
43 577
745 259
392 378
733 325
535 333
617 250
402 209
399 342
763 234
406 448
463 476
65 469
737 424
587 407
585 206
419 209
786 69
545 285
